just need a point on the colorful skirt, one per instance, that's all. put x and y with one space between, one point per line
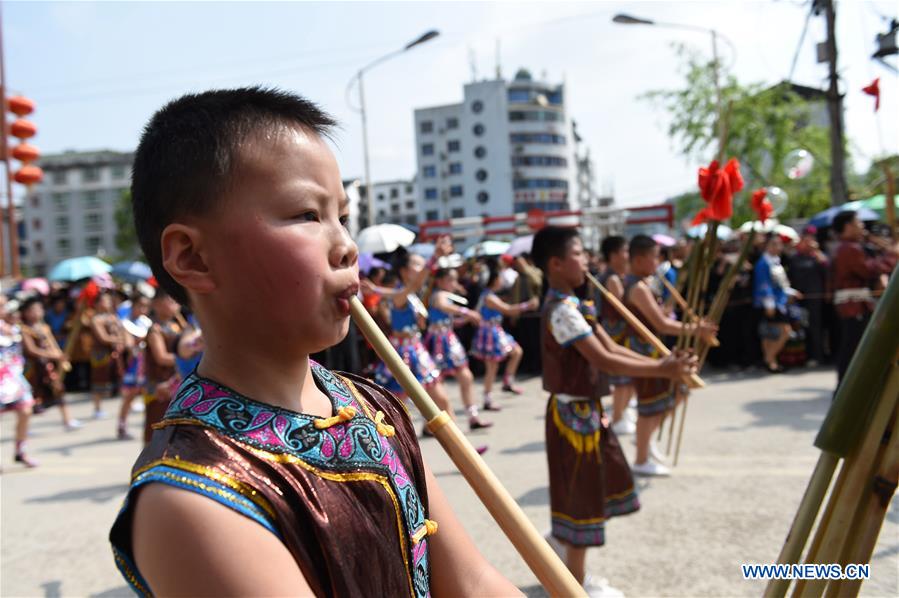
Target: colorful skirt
492 343
15 392
446 349
589 477
104 370
416 357
134 376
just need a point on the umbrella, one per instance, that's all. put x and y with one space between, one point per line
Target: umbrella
383 238
771 226
131 271
425 250
664 240
367 261
38 285
521 245
698 231
77 268
878 203
825 219
486 248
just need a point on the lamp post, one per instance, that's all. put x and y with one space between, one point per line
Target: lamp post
370 201
624 19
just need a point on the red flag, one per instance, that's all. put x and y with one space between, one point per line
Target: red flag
874 90
717 187
760 204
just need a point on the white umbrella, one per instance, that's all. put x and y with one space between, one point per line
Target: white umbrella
486 248
384 238
771 225
521 245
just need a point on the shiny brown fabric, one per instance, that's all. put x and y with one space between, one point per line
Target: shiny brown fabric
852 269
343 528
155 372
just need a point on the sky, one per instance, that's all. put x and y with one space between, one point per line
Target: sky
98 70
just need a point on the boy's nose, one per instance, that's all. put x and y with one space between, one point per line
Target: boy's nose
344 253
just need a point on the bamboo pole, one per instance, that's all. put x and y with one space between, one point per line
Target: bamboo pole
638 326
679 299
541 559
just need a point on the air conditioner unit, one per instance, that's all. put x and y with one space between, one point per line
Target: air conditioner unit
442 156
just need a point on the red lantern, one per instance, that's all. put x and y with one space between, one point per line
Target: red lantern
29 175
25 152
23 129
20 106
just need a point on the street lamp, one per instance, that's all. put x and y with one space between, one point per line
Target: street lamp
427 36
624 19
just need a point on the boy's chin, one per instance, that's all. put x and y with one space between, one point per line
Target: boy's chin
339 332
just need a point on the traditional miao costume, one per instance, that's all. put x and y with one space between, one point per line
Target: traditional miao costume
15 392
491 341
135 375
346 495
44 376
589 479
654 395
106 363
442 343
614 325
162 381
406 339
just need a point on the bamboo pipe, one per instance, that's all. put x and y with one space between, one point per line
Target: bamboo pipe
679 299
541 559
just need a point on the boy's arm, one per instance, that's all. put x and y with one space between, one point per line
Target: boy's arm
156 345
637 366
643 300
612 347
458 568
494 302
188 545
614 286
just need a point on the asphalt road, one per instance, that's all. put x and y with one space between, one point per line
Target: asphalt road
746 459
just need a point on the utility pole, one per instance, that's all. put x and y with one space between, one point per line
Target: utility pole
839 192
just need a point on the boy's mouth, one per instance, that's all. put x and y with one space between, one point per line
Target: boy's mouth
343 299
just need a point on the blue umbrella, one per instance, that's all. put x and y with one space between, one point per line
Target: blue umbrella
77 268
132 271
825 219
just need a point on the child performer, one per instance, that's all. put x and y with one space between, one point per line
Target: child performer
492 344
160 359
134 379
654 394
443 344
569 348
15 393
108 351
269 474
614 251
44 361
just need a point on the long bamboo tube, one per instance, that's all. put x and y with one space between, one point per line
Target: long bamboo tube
679 299
541 559
638 326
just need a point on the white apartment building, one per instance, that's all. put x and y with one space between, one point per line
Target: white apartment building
396 202
72 211
507 147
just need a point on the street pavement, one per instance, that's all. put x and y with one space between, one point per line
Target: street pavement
746 458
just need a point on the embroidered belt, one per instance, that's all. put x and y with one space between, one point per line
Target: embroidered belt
848 295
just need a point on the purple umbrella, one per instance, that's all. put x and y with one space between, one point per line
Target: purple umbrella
367 261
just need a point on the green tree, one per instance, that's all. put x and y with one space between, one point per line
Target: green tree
763 125
126 238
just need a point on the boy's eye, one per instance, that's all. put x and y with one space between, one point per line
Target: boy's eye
344 221
308 216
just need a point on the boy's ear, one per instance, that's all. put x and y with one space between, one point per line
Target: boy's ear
184 258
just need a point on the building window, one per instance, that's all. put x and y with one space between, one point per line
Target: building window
62 224
381 213
410 205
480 152
59 177
535 116
93 221
60 202
427 149
380 197
94 244
36 224
35 201
519 96
539 184
119 171
538 138
91 199
38 246
457 213
453 146
430 193
91 174
63 246
412 219
477 106
429 172
394 209
539 161
394 193
452 123
427 126
408 189
483 197
478 129
456 191
481 175
455 168
432 215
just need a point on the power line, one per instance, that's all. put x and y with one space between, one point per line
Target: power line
801 39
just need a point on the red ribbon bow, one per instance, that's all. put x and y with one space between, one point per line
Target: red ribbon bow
717 187
874 90
760 204
89 294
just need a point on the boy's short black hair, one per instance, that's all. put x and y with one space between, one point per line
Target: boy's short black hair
550 242
188 153
841 220
612 245
641 245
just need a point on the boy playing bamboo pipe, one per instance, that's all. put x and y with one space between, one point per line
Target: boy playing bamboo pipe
569 348
654 395
315 486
